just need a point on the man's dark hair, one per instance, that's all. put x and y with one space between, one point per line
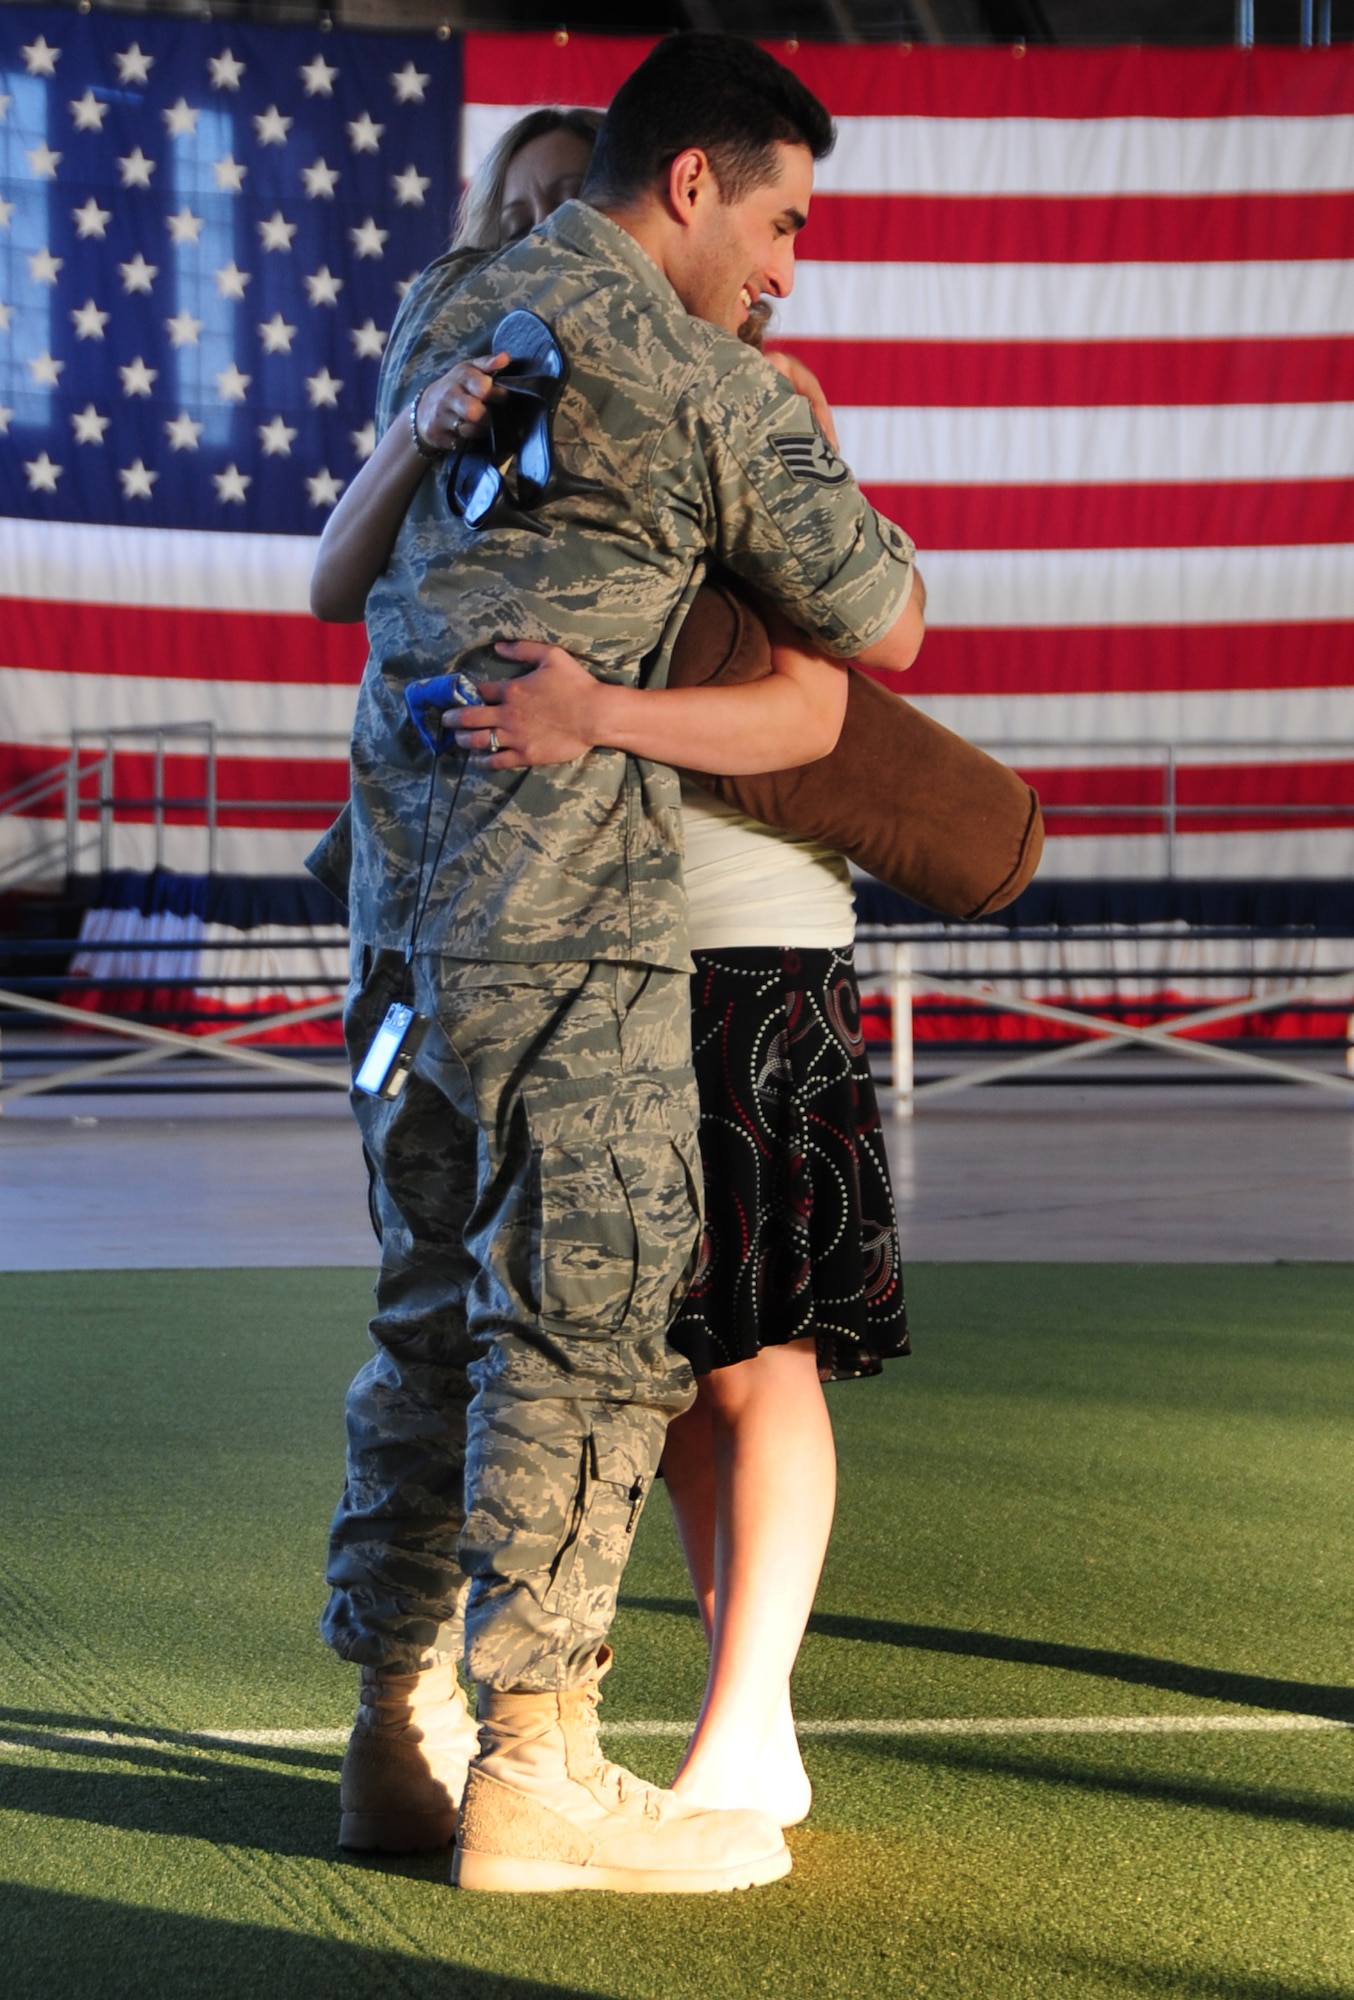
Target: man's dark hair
718 92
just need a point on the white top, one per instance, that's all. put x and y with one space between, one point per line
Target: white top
749 884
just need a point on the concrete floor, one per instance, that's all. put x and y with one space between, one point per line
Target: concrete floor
137 1183
1165 1173
1149 1172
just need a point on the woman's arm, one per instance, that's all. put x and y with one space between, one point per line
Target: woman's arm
792 716
899 647
360 533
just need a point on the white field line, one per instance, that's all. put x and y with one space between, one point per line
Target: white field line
967 1725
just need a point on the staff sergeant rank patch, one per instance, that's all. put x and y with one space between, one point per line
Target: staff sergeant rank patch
809 456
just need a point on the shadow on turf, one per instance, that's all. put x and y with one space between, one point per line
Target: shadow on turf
168 1786
1137 1669
58 1943
42 1729
1040 1768
1184 1982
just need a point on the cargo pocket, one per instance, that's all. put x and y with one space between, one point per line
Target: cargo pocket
588 1249
613 1480
619 1225
663 1181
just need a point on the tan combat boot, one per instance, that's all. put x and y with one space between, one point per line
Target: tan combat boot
404 1770
545 1810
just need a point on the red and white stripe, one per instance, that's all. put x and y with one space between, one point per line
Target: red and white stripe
107 628
1087 320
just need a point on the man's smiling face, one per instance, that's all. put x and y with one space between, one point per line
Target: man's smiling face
740 250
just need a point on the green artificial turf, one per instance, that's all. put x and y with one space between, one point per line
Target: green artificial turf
1095 1491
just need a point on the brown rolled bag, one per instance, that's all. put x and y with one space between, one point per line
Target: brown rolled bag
904 798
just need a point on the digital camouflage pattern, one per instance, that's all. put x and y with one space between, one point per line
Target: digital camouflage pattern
538 1188
703 454
537 1180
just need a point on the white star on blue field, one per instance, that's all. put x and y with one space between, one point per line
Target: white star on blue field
205 234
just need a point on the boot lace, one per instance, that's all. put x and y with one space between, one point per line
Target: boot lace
614 1778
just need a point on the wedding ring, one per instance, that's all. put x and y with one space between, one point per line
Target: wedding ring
493 743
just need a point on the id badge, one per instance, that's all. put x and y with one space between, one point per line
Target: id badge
387 1063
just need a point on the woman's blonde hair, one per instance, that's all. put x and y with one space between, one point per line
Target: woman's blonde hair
482 199
482 202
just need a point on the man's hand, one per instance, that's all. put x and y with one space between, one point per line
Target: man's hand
455 408
546 717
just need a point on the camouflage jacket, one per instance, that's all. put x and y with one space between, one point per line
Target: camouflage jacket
702 453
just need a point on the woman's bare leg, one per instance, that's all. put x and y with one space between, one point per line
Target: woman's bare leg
689 1474
751 1472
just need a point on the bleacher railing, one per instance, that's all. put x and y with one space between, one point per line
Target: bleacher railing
91 787
90 779
1259 772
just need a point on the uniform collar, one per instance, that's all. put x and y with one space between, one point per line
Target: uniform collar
587 230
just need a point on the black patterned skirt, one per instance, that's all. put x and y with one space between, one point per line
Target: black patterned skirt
800 1232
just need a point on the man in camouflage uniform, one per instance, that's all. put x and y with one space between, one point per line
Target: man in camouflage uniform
537 1180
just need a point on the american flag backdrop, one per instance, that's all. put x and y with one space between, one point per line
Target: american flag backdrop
205 232
1087 321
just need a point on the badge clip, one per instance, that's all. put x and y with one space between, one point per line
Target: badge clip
387 1063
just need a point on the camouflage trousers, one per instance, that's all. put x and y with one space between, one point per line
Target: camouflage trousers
537 1189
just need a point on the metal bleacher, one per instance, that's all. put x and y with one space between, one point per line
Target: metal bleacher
1167 965
1131 964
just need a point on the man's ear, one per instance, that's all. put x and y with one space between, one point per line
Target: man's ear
691 183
